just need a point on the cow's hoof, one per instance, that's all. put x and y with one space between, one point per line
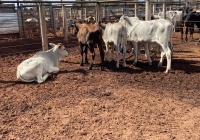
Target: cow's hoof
101 68
159 65
124 65
134 64
86 62
90 68
150 63
166 72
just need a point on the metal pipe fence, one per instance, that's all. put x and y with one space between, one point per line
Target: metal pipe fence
23 19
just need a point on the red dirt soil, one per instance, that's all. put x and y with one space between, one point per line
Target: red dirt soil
133 103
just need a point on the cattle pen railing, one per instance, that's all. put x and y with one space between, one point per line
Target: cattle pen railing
53 18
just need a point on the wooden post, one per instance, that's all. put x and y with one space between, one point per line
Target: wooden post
20 22
81 11
65 28
98 12
148 10
135 10
70 13
43 27
54 21
107 14
85 13
164 10
147 14
154 9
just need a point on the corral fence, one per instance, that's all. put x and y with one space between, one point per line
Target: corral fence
44 19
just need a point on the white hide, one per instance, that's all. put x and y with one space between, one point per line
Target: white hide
31 20
35 20
115 35
158 31
39 67
173 16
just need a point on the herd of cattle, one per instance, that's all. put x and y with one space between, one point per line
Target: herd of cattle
126 34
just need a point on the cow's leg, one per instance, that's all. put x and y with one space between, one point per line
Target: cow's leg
186 33
93 56
112 52
86 51
117 55
146 48
167 52
191 31
107 51
175 26
135 45
156 51
168 55
182 31
101 55
162 54
41 78
53 70
139 49
82 51
124 54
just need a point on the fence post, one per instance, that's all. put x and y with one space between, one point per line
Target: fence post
85 13
154 9
20 24
147 14
164 10
55 17
98 12
148 10
65 28
107 14
52 19
135 10
43 26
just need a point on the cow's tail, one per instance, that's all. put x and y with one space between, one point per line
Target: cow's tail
170 41
124 39
20 78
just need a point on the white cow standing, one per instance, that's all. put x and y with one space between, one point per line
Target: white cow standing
115 36
40 66
158 31
173 16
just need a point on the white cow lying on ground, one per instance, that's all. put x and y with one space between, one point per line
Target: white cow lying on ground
158 31
40 66
115 35
35 20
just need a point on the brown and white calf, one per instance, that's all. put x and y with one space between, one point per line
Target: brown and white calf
89 35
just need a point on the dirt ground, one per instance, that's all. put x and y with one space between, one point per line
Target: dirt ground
133 103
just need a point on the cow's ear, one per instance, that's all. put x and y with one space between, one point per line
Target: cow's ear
52 44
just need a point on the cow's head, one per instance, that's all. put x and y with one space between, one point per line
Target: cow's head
60 50
124 20
172 15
